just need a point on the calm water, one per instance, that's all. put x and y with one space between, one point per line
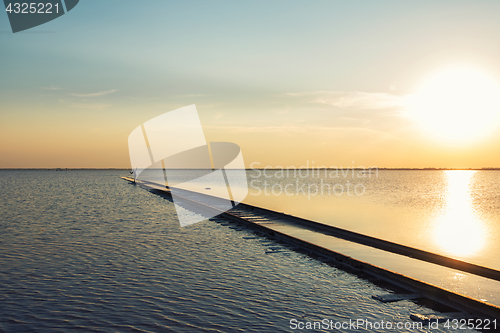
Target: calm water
86 251
455 213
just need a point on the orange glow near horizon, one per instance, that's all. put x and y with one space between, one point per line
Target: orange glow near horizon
52 134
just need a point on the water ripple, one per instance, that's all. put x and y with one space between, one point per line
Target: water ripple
86 251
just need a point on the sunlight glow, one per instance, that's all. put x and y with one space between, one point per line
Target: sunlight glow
457 103
458 231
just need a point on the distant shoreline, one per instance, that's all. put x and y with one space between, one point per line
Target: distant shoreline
270 169
65 169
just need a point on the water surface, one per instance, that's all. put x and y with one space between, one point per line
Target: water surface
87 251
454 213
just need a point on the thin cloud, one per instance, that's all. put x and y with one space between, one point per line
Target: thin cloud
51 88
101 93
281 112
210 106
326 132
192 95
260 129
354 99
290 128
89 106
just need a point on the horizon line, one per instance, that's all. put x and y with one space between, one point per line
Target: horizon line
274 168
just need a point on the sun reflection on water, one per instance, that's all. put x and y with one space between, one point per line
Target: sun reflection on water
458 231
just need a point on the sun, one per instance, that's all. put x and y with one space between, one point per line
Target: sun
457 103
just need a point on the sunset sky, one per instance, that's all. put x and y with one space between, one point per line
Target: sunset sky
340 83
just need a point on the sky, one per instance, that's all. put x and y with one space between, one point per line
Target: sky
293 83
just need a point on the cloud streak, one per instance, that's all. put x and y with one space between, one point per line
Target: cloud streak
101 93
89 106
296 129
51 88
354 99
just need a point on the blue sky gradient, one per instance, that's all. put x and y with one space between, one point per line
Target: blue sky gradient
72 90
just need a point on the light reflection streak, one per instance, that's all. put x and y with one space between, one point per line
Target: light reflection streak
458 231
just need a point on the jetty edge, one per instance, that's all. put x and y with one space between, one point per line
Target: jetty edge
455 300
